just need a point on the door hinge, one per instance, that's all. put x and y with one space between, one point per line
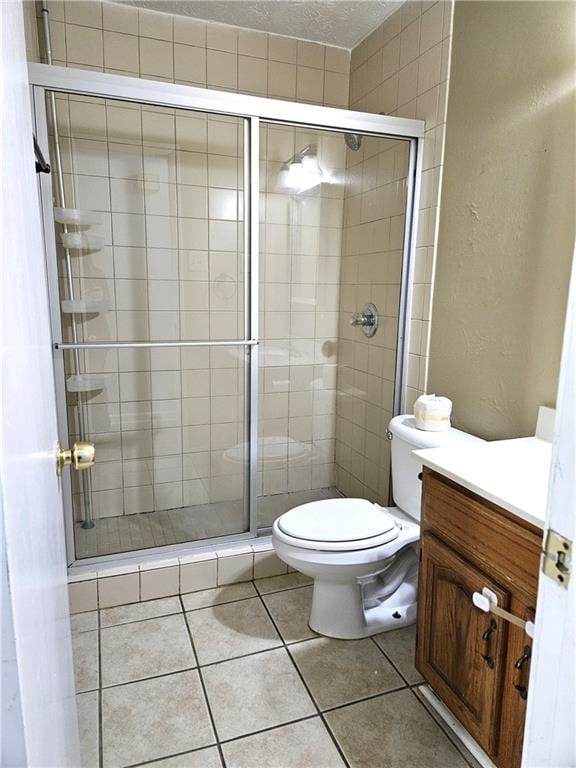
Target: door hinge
557 558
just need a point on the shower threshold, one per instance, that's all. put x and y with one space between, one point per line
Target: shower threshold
193 524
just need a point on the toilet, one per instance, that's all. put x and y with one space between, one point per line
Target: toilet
364 557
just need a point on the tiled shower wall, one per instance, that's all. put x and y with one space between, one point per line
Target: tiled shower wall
110 37
401 69
375 207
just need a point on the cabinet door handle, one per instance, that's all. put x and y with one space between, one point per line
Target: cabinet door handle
490 631
488 659
524 658
522 691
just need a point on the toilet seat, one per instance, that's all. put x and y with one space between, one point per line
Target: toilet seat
337 525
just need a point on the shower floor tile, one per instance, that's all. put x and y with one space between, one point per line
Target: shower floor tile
127 533
264 695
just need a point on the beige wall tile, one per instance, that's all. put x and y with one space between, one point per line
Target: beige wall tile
430 69
190 64
199 575
120 18
83 596
253 43
220 37
335 89
155 25
190 32
432 26
156 58
252 75
410 43
408 83
337 60
282 49
88 13
56 9
281 80
117 590
58 39
159 582
310 54
235 568
222 70
309 84
84 45
121 52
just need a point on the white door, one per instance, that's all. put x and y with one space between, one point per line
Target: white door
550 736
39 715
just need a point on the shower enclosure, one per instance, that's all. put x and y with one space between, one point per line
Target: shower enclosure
206 254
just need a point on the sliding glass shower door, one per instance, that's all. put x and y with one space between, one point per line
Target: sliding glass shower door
333 221
150 278
220 387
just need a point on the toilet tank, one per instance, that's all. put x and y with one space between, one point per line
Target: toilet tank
406 437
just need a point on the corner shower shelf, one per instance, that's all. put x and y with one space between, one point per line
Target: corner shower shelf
83 306
82 241
76 217
86 382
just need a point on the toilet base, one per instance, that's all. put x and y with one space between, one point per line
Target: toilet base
340 610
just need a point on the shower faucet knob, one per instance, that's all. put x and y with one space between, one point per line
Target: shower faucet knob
359 319
367 319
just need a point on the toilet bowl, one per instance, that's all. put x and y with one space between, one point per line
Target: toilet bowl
362 557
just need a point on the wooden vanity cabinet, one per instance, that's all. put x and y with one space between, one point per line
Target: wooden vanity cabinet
476 662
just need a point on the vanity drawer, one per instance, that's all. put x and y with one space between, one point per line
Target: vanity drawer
488 536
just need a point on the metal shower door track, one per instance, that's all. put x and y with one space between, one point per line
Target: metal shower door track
123 88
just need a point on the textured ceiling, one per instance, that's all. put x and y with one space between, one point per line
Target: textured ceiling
333 22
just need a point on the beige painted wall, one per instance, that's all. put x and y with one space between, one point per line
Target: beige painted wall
508 206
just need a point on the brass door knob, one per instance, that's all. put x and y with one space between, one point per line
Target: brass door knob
82 455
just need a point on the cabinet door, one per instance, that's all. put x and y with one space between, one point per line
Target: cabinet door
516 676
460 649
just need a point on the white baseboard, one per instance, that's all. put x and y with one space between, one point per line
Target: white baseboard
456 727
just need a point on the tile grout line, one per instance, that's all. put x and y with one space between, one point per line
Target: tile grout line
99 698
309 692
395 667
204 691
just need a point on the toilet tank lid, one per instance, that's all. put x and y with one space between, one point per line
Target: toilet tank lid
405 428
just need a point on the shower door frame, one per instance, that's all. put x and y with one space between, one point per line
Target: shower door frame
252 110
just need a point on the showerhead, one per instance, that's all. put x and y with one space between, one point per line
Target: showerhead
353 141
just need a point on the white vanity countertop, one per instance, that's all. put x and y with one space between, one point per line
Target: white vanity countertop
510 473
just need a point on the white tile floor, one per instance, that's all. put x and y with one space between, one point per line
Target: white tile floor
234 677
